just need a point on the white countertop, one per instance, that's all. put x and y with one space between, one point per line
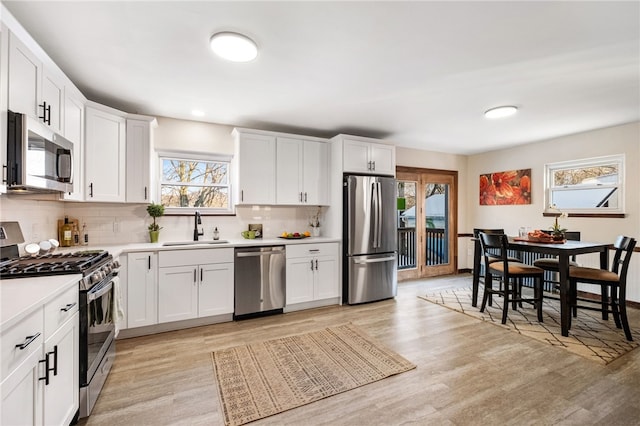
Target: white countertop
117 250
19 297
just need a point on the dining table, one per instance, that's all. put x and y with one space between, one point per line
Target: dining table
563 251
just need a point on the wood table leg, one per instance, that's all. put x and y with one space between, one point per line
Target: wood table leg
565 310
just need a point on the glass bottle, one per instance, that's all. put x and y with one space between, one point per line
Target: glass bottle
216 234
85 236
75 235
67 237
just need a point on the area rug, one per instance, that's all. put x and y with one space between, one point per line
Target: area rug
590 336
266 378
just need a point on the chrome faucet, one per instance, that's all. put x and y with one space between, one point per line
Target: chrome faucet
198 221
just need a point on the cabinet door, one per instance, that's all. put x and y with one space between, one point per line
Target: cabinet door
257 174
289 165
61 396
105 148
300 280
215 295
383 158
53 99
22 393
177 293
355 156
142 289
138 159
25 77
316 173
327 282
74 131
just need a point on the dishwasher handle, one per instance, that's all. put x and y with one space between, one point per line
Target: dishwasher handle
259 253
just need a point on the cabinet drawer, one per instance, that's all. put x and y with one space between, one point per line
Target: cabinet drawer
59 310
194 257
20 334
318 249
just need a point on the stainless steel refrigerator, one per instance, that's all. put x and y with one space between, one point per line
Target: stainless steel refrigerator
369 235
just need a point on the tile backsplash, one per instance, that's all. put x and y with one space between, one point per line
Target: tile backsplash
111 223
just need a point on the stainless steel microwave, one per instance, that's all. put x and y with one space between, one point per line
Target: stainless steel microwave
38 160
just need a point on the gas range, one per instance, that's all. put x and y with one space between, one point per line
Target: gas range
94 265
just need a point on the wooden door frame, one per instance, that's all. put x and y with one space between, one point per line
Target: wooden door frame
412 174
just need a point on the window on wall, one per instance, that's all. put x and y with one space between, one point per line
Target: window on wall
592 185
191 182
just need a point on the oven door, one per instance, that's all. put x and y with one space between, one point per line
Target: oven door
99 327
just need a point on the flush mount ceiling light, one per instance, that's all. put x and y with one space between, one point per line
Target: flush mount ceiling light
501 111
233 47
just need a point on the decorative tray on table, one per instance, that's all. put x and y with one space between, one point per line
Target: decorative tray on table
540 237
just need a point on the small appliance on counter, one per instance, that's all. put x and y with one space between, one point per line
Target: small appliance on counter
257 228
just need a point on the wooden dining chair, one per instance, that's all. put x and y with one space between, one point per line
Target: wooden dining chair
613 285
494 248
551 263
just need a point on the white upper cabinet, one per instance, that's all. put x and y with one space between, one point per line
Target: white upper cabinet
105 149
74 131
254 164
301 171
364 155
25 79
139 159
52 105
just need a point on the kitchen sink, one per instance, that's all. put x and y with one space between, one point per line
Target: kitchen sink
193 243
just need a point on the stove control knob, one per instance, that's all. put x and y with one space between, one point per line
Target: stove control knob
116 264
95 278
107 269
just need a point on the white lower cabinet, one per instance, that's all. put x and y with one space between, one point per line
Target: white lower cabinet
142 289
61 395
194 284
40 365
312 273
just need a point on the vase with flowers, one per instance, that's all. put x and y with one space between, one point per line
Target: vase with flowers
556 230
314 222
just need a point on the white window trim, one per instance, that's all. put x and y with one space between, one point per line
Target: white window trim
618 159
196 156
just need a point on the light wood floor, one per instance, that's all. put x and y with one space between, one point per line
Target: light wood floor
469 372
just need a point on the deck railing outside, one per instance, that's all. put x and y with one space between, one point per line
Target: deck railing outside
436 246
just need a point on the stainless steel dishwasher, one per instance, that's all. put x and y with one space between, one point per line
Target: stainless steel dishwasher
259 281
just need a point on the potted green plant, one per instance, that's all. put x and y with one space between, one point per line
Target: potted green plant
556 231
155 210
314 222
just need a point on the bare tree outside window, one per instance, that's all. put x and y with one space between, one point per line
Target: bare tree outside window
190 183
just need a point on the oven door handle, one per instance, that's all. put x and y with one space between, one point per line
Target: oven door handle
99 292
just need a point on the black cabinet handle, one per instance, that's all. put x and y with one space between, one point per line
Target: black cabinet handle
45 109
195 276
201 275
316 264
68 307
55 360
242 195
305 197
91 190
28 341
46 369
145 192
311 264
149 262
5 173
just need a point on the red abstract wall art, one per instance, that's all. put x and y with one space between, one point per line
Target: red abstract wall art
505 188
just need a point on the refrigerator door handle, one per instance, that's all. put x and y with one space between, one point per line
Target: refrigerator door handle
379 195
374 213
374 260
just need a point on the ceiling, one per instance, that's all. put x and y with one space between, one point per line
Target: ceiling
420 74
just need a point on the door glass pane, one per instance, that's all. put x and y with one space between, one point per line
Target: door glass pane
406 218
436 207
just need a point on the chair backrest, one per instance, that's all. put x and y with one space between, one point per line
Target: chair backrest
477 231
494 247
624 248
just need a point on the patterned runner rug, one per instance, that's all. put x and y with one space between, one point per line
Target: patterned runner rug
266 378
590 336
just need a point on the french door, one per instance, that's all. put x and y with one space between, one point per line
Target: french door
426 219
